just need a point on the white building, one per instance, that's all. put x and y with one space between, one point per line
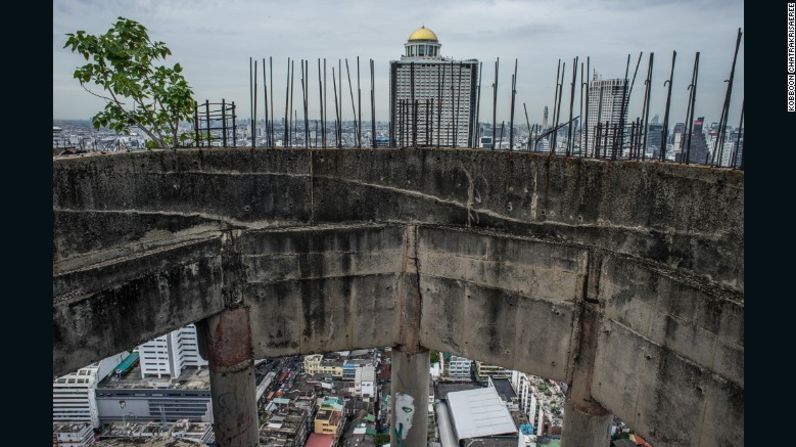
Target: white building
72 434
455 367
539 400
605 105
484 370
443 89
365 380
74 394
525 394
169 354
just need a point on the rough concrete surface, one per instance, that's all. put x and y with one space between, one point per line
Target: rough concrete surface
493 255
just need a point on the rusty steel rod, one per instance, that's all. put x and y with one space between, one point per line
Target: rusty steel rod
336 111
440 88
271 88
557 116
287 104
513 95
570 134
372 106
738 141
494 104
265 106
585 129
353 104
359 109
646 108
580 108
320 107
691 105
623 111
665 130
478 106
725 111
527 123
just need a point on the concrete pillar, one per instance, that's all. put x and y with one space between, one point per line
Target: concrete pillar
225 341
586 422
409 398
585 426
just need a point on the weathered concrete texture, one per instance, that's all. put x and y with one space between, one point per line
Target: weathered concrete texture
508 301
409 381
102 309
623 278
582 429
668 342
319 289
702 324
230 186
663 208
118 233
671 400
225 340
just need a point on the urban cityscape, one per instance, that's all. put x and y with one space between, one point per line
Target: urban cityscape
147 235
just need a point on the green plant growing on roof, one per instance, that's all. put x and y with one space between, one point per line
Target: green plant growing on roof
137 91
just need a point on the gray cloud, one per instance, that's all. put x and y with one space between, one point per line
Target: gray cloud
214 39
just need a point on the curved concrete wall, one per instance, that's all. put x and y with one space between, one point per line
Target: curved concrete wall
502 257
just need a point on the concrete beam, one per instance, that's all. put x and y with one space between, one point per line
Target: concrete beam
102 309
487 254
225 340
409 398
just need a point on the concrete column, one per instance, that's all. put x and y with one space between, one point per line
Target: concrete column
409 398
586 422
225 341
585 427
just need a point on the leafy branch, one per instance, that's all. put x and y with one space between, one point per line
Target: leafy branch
123 63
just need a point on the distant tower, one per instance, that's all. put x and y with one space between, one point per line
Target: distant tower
699 148
168 354
418 77
605 105
544 119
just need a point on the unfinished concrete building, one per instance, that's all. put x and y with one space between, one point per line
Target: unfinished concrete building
627 276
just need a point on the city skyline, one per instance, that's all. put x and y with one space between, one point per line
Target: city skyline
214 46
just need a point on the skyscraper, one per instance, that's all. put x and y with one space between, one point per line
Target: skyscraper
74 394
605 105
432 98
698 153
168 354
544 118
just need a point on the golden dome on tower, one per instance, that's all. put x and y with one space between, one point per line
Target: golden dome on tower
423 33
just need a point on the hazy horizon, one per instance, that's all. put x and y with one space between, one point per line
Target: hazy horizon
213 42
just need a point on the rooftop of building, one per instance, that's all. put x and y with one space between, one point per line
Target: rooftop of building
493 441
443 388
317 440
69 427
328 415
153 430
158 442
189 379
504 389
479 413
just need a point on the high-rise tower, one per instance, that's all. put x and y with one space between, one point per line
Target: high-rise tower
168 354
544 118
605 105
432 99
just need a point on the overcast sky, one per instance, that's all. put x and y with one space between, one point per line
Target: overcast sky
213 40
